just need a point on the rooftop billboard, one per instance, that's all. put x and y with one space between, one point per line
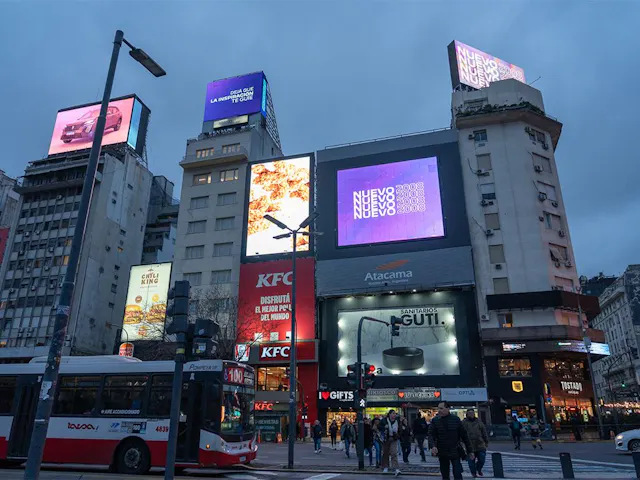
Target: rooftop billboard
235 96
477 69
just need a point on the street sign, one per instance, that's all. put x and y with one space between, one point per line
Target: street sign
362 403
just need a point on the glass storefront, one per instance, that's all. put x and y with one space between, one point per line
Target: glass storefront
272 379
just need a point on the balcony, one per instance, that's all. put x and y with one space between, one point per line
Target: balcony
239 154
550 299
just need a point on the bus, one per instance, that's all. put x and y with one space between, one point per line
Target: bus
114 411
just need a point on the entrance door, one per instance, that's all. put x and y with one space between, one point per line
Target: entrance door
25 412
191 409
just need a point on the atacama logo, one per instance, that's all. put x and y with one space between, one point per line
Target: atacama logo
81 426
274 352
274 279
372 276
392 265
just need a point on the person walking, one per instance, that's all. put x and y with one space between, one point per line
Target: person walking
420 430
316 433
347 435
575 428
516 429
333 433
405 439
479 441
377 441
446 434
535 430
390 429
368 440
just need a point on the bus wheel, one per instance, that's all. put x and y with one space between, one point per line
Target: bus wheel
133 457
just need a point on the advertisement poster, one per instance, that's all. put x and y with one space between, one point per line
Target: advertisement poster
280 189
74 129
146 307
427 343
478 69
389 202
235 96
264 301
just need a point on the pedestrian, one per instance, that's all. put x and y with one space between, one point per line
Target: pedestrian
316 433
390 428
535 431
297 430
405 439
347 435
479 441
377 441
368 440
447 435
333 432
516 428
420 430
575 428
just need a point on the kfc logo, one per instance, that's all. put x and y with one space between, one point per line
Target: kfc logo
274 279
275 352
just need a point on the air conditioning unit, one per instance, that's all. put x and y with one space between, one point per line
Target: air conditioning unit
21 252
12 290
556 287
542 196
27 234
471 136
28 334
538 168
37 232
50 249
554 203
33 288
562 233
541 218
59 197
488 232
557 264
545 146
498 266
46 268
484 318
484 203
482 173
568 264
28 269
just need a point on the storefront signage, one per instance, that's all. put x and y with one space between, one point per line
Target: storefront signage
513 347
572 388
280 352
464 394
418 394
517 386
264 406
382 395
557 346
126 349
336 395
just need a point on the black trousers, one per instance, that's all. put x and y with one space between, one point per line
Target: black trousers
406 450
455 463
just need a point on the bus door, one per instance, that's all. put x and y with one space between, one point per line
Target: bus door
190 421
25 411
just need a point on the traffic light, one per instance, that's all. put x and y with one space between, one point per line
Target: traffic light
369 375
178 311
395 326
202 343
353 375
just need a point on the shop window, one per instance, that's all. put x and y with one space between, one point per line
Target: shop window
505 320
272 379
514 367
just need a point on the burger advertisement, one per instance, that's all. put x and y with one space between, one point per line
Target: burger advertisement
144 313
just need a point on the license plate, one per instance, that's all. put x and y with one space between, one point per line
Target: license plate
243 459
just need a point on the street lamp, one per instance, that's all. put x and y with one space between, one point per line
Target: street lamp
50 378
292 351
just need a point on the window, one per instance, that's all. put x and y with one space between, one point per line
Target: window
222 249
558 253
500 285
514 367
202 179
229 175
194 252
199 202
225 223
535 135
488 191
122 395
480 136
197 227
160 396
553 222
237 412
204 153
226 199
233 148
564 283
114 288
496 253
484 162
272 379
492 221
544 162
77 395
7 392
505 320
220 276
548 190
194 279
570 369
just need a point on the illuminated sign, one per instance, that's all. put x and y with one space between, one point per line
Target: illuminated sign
517 386
231 97
340 396
389 202
572 388
126 349
513 347
264 406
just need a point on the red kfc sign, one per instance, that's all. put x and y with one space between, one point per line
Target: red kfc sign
281 352
264 301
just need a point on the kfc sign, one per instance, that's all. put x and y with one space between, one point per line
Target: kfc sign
279 353
274 279
264 406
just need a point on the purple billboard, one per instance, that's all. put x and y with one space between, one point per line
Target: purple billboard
477 69
389 202
235 96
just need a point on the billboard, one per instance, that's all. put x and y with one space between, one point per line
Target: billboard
280 188
475 68
235 96
146 306
264 301
389 202
427 344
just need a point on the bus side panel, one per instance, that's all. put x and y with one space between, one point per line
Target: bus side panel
213 453
5 431
69 450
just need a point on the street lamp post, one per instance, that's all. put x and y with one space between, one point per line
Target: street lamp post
50 378
292 351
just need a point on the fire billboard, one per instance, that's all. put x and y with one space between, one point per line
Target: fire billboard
280 188
146 307
235 96
478 69
389 202
264 301
125 123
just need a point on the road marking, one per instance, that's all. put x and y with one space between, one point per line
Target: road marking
260 472
575 460
323 476
241 476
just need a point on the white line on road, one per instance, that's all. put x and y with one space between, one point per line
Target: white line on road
260 472
575 460
323 476
241 476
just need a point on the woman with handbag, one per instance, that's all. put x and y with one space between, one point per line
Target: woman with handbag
450 442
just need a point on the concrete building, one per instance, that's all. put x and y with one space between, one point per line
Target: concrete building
162 221
524 263
40 244
9 201
618 377
596 285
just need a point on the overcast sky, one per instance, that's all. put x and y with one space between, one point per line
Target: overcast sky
345 71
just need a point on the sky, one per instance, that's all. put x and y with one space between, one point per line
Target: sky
345 71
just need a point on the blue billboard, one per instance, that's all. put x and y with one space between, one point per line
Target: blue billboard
235 96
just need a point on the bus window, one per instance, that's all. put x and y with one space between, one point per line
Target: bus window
122 395
76 395
7 392
236 413
160 396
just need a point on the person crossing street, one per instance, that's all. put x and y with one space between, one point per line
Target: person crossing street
390 427
316 432
420 430
447 435
479 440
348 435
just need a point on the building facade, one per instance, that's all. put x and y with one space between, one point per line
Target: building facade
162 221
9 202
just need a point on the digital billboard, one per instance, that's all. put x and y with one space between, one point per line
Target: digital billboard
146 307
427 343
280 188
389 202
75 127
475 68
235 96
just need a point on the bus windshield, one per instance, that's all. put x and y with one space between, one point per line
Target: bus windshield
236 412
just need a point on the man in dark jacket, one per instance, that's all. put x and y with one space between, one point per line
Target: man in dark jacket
316 433
445 434
479 440
420 431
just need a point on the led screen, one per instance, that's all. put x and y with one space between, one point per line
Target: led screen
426 346
389 202
144 313
74 129
235 96
281 189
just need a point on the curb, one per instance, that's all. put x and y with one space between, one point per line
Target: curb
349 472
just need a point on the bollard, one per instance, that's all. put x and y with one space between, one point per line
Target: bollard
636 462
567 466
496 460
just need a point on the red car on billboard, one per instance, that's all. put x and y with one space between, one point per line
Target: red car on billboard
84 127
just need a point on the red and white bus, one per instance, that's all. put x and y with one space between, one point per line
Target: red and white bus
114 411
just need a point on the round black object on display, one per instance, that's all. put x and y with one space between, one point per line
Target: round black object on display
403 358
